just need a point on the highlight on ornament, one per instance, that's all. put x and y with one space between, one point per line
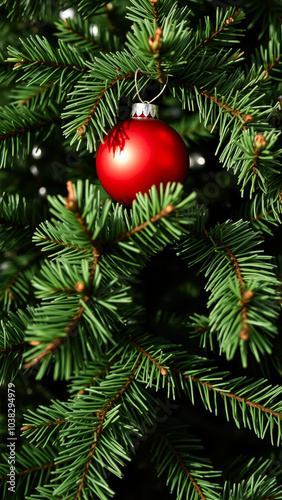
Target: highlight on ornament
140 152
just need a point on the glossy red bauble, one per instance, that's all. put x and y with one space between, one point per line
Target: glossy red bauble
138 153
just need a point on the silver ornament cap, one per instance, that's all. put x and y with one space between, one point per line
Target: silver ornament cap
145 108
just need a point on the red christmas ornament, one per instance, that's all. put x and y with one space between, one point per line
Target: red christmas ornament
140 152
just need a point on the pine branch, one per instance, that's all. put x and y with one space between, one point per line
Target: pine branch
225 25
36 95
67 25
185 469
178 455
67 58
13 348
19 126
230 395
33 467
154 5
24 130
56 70
96 246
101 374
165 212
31 470
56 415
246 296
241 117
248 288
9 287
87 8
253 479
153 360
56 344
82 129
101 252
79 31
33 10
155 42
12 344
256 400
101 415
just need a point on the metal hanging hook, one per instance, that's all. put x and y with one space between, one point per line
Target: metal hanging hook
136 86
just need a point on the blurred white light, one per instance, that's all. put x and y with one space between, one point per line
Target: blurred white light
93 29
64 14
196 160
42 191
201 160
4 266
36 152
34 170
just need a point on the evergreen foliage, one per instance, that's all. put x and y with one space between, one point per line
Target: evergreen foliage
108 311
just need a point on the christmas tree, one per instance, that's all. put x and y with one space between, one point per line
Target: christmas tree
141 342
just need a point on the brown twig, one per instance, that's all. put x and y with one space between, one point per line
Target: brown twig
155 12
280 195
67 245
35 126
229 394
144 353
227 23
99 375
234 263
96 245
272 64
246 296
86 38
183 466
260 145
260 216
234 112
36 468
165 212
69 67
12 348
155 42
46 424
82 129
202 329
38 92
